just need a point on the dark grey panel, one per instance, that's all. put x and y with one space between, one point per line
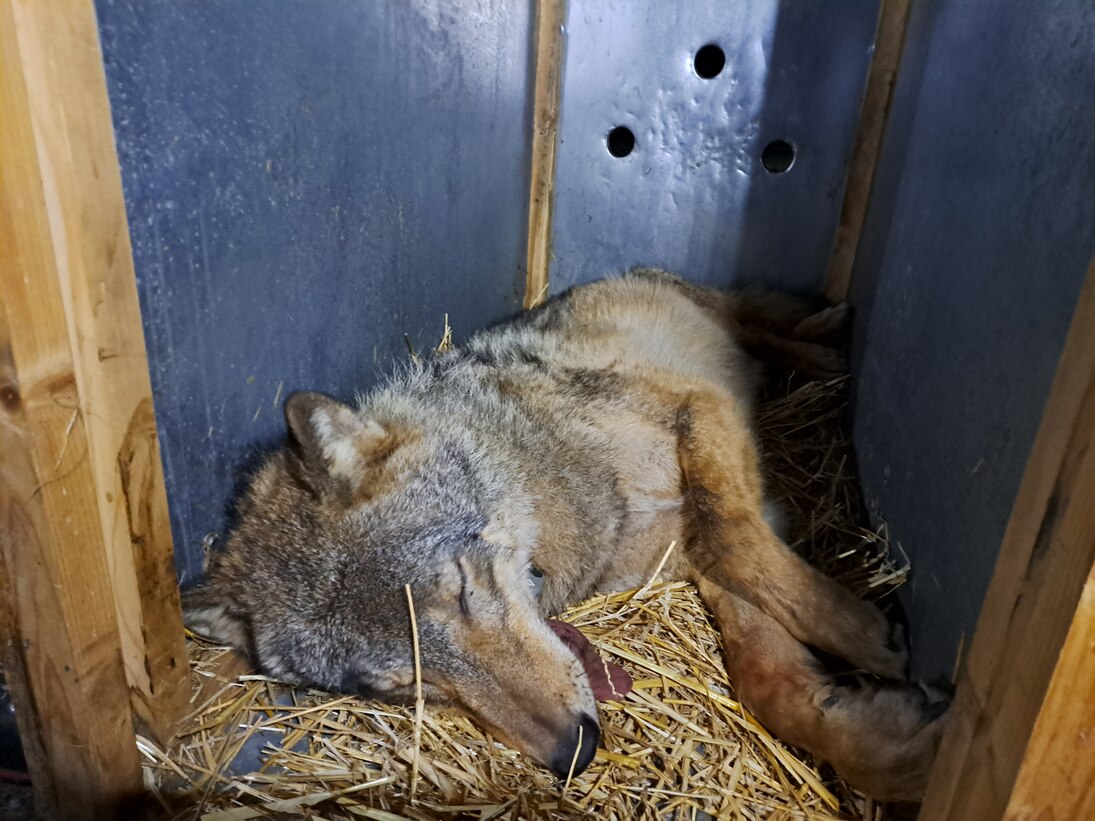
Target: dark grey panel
305 183
982 225
693 195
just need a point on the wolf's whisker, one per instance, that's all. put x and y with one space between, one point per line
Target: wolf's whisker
418 701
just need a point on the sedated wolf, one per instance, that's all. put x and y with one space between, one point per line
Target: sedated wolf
577 440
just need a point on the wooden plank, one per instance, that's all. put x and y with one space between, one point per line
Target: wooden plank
73 177
1057 777
62 655
1046 556
889 45
550 19
87 550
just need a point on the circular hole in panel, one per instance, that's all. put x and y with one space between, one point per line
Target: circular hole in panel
709 61
621 141
778 156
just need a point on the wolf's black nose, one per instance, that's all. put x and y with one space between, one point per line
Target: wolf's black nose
565 755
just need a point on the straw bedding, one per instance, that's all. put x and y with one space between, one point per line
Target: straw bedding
680 746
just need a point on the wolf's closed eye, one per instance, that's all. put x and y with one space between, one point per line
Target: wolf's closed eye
465 594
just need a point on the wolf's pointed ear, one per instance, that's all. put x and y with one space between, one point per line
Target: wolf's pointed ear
333 441
214 615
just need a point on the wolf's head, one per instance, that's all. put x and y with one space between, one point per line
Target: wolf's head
331 530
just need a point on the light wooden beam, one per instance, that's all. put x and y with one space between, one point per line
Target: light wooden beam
1006 713
1057 777
550 20
93 633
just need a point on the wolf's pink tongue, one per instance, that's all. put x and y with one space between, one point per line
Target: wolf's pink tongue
609 682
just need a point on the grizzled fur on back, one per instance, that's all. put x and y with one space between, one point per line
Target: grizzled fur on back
582 439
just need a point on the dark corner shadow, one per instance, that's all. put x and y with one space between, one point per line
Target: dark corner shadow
890 171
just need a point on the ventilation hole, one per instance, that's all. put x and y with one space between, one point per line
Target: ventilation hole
778 156
621 141
709 61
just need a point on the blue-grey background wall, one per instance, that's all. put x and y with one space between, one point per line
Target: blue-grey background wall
305 183
981 226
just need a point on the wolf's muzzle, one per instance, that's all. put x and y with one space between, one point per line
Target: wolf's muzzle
565 754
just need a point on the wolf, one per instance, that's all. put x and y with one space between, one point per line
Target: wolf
576 441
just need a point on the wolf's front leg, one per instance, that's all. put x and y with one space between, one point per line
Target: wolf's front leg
881 738
731 544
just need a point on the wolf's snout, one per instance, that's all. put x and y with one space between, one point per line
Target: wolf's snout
589 738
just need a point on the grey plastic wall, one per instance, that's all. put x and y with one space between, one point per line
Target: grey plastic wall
981 225
306 183
694 196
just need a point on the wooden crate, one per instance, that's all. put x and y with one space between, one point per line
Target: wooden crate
93 646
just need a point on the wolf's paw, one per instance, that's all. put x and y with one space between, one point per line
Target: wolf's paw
826 364
826 326
888 654
870 641
882 738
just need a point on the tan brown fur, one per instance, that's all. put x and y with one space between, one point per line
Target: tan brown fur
583 438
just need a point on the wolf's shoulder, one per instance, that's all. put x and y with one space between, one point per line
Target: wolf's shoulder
518 337
565 346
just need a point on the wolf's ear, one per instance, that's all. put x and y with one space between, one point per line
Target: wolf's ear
333 441
209 612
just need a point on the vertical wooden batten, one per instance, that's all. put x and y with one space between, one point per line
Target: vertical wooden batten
1023 683
94 635
550 20
889 45
1057 777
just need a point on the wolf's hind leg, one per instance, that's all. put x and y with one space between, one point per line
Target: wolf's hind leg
732 545
881 738
791 333
808 359
788 316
